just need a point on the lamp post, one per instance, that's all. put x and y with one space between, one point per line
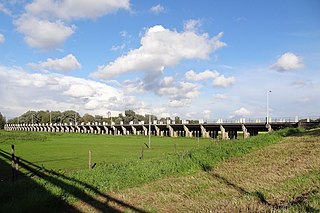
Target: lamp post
268 106
149 131
109 116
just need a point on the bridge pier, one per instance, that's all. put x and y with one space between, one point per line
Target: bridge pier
204 132
224 134
245 131
188 134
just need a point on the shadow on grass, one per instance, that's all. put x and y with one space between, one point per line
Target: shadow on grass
297 133
71 186
300 201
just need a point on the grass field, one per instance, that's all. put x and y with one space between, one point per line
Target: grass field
63 151
123 182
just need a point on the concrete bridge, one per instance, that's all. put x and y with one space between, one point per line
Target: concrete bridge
228 130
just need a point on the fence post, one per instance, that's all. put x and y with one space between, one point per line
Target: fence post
90 159
12 162
142 152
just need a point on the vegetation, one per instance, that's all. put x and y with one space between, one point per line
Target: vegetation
82 188
283 177
2 121
71 116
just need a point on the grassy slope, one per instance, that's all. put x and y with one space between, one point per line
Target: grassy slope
283 177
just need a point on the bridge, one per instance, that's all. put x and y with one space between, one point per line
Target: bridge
223 129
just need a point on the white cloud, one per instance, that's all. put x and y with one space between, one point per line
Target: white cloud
4 10
288 62
180 93
206 114
303 100
207 74
220 96
219 80
43 34
242 112
192 25
67 63
75 9
43 21
222 81
2 38
133 86
161 47
179 103
51 91
157 9
80 90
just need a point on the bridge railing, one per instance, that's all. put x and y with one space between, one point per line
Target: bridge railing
263 120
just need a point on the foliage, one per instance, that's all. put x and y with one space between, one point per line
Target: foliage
2 121
70 116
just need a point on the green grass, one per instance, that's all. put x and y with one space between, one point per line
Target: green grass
70 151
118 164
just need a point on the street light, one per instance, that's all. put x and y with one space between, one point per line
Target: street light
268 106
109 116
149 130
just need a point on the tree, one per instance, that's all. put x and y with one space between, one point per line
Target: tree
87 118
130 115
69 116
2 121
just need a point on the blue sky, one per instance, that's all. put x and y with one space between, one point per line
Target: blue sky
193 59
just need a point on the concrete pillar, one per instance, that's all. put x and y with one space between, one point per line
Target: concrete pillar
246 134
157 130
187 131
268 126
145 130
99 129
134 130
124 130
172 133
224 134
115 130
204 132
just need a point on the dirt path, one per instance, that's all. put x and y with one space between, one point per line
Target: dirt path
284 176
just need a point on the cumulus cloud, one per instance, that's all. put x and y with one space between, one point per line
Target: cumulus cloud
43 22
288 62
161 47
242 112
220 96
4 10
67 63
192 25
222 81
55 91
157 9
180 93
43 34
2 38
219 80
207 74
75 9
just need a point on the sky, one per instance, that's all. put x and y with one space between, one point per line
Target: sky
206 59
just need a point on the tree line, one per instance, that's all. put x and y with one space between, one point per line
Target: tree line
71 116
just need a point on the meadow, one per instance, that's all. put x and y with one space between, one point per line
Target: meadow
63 151
55 175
